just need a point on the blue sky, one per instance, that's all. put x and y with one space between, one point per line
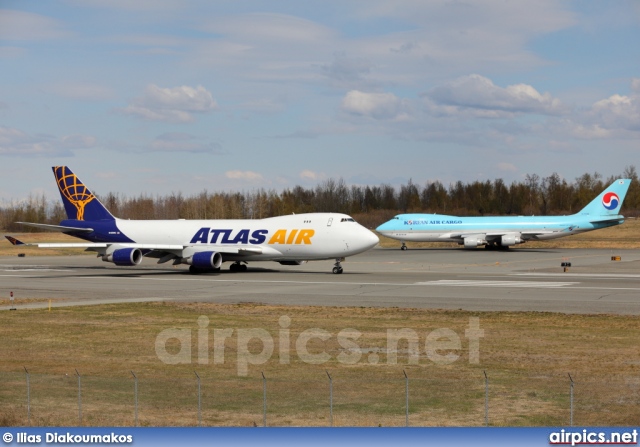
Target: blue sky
161 96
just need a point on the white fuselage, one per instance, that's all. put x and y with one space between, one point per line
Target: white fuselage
311 236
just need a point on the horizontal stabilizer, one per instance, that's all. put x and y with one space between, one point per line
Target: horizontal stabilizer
613 219
57 227
14 241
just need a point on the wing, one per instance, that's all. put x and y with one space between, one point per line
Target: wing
165 252
526 235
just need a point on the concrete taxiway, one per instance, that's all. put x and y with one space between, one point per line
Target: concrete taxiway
478 280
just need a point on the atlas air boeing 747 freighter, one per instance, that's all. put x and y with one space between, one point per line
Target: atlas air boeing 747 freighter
505 231
202 244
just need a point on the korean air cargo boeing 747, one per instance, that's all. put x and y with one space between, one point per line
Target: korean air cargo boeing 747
504 231
203 244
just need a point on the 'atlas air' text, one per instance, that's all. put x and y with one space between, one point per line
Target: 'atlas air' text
227 236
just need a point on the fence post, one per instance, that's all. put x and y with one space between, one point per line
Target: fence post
406 398
330 398
79 398
199 402
570 401
486 399
135 398
28 397
264 400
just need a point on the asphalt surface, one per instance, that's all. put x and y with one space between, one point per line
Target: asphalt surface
478 280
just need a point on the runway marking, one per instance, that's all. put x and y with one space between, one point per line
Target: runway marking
442 282
489 283
587 275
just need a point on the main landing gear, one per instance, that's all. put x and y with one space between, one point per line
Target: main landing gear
238 267
337 267
195 270
403 247
495 246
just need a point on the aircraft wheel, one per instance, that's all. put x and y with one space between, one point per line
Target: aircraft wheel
337 270
403 248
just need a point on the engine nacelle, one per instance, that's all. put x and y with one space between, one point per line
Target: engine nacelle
205 260
292 262
511 239
124 256
473 241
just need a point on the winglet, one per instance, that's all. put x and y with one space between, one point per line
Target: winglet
14 241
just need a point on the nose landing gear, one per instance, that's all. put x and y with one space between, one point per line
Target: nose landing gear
337 267
403 247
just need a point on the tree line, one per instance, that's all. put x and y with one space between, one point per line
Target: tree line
370 205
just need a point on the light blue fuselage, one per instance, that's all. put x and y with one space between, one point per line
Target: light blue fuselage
504 231
443 228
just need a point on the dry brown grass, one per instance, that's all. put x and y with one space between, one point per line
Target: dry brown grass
6 249
527 357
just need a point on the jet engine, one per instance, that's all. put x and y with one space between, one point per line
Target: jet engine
205 260
511 239
473 241
124 256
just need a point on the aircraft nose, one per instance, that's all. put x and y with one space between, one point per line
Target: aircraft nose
383 227
370 239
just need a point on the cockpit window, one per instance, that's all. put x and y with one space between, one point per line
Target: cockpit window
347 219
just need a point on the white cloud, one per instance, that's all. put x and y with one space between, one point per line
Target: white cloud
20 25
617 116
311 175
269 27
249 176
385 106
182 142
495 15
478 96
14 142
78 141
345 69
146 6
172 104
617 112
507 167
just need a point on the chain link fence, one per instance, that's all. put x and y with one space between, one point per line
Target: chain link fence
494 399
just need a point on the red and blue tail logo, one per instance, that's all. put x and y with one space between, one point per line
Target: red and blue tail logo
610 201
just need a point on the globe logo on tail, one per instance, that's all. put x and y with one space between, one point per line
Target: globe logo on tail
610 201
73 190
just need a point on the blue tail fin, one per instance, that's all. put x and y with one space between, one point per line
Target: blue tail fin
79 202
609 202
